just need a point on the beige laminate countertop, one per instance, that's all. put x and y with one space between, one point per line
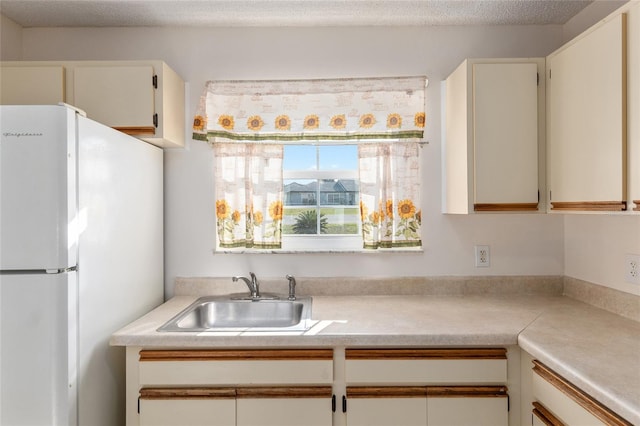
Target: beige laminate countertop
596 350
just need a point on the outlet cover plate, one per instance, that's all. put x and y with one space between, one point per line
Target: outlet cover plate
632 268
483 258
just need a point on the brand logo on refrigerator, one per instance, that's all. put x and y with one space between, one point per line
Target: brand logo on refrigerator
22 134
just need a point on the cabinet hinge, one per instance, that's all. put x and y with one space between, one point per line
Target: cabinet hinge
508 403
138 405
344 404
154 81
333 403
155 120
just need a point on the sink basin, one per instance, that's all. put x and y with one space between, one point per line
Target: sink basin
226 313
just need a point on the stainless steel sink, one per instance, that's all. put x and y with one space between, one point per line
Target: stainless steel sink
215 313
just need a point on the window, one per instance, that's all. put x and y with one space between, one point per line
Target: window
315 164
321 197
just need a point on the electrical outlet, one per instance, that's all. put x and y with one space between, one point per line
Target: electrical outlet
632 268
483 258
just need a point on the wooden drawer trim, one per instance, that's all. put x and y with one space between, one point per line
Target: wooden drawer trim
489 353
187 393
236 393
637 207
386 391
504 207
467 391
585 401
545 415
285 392
589 205
426 391
236 355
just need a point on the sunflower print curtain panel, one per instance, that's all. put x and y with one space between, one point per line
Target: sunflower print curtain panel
316 110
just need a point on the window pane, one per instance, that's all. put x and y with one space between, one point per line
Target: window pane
338 157
300 157
340 220
300 192
300 221
339 192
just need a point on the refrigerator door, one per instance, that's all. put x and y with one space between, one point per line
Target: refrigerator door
37 187
37 354
120 273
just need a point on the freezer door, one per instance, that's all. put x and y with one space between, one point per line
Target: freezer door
38 349
37 187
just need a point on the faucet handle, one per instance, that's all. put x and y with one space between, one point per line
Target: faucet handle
292 286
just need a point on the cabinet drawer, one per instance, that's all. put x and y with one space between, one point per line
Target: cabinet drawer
433 366
228 367
569 404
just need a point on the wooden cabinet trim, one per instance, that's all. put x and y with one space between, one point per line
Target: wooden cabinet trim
637 207
285 392
589 205
488 353
467 391
187 393
485 207
133 131
585 401
237 393
386 391
545 415
236 355
426 391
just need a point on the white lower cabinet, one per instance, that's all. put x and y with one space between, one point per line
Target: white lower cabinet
184 410
315 387
230 387
389 387
295 410
558 402
383 406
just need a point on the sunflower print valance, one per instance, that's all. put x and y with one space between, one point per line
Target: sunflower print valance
318 110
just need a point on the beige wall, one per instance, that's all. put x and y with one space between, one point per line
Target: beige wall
521 244
10 40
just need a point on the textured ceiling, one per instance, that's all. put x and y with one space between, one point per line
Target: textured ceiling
81 13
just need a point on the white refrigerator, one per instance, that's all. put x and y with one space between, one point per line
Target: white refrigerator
81 255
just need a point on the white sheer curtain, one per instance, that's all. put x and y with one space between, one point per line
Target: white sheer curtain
390 194
248 187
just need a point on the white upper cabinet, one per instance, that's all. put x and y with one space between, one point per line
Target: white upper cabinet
494 120
25 85
142 98
122 96
587 119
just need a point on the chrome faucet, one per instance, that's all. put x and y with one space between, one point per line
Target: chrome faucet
253 284
292 287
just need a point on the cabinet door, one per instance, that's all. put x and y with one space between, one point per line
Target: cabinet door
187 407
587 121
117 96
505 117
471 411
284 406
32 85
386 406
